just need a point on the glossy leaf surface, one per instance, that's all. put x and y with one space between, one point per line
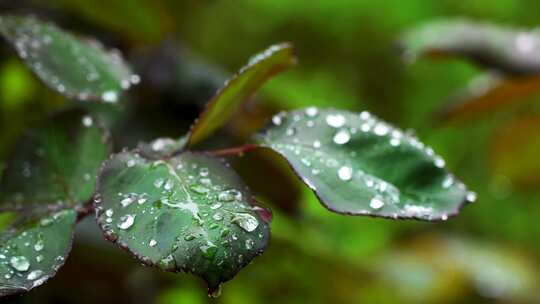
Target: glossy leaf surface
55 163
77 68
359 165
33 248
187 213
238 89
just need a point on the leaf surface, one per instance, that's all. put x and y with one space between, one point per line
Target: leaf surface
77 68
55 163
359 165
33 248
510 50
243 85
188 213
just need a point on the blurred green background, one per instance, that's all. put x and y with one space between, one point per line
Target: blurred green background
183 51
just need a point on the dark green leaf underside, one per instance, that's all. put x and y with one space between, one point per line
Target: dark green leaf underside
242 86
359 165
32 250
55 163
188 213
511 50
77 68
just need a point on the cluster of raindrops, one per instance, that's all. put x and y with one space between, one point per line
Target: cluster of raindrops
190 188
100 74
29 268
292 135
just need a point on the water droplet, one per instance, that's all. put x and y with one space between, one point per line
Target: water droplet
215 206
471 196
203 171
130 163
38 246
376 203
345 173
217 217
209 250
87 121
316 144
290 131
249 244
335 121
152 243
342 137
312 111
189 237
168 184
34 275
127 201
109 96
20 263
276 120
246 221
381 129
109 212
126 221
159 182
439 162
200 189
448 181
230 195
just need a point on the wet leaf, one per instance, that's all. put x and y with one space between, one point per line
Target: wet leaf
33 249
515 149
243 85
359 165
188 213
511 50
488 93
77 68
55 163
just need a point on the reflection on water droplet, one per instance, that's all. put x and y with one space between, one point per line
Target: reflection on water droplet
345 173
316 144
342 137
34 274
439 162
159 182
152 243
20 263
471 196
276 120
110 96
246 221
376 203
126 221
312 111
335 121
87 121
38 246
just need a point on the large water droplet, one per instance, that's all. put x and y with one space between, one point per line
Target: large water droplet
38 246
342 137
312 111
335 121
126 221
376 203
36 274
345 173
246 221
110 96
20 263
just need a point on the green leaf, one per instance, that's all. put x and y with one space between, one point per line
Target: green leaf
188 213
55 163
251 77
511 50
33 249
359 165
77 68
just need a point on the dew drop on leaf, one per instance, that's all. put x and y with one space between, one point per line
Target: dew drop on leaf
20 263
126 221
246 221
